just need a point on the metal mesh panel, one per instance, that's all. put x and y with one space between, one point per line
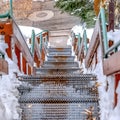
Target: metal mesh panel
59 91
52 111
76 80
55 95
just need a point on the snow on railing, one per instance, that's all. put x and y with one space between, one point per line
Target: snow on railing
99 34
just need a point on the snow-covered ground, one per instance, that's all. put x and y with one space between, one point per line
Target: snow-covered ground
9 106
27 31
106 90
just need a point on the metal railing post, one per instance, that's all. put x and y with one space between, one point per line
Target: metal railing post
104 31
11 8
32 42
85 41
41 40
79 41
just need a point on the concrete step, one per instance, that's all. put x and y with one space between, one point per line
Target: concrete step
60 58
66 49
63 64
59 33
59 51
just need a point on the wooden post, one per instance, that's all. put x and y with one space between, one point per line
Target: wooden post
36 60
43 55
17 52
7 31
75 43
24 64
21 68
111 15
29 70
26 68
117 79
9 49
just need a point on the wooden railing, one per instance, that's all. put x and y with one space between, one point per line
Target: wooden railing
38 46
80 45
13 37
111 62
44 38
20 42
81 51
92 46
26 58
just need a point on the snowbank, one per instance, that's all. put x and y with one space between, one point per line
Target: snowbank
79 29
115 114
106 90
27 31
9 107
115 36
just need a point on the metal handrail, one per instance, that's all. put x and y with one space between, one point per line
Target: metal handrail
41 37
32 42
9 13
44 31
20 33
104 30
5 15
41 42
85 41
113 47
11 8
104 33
22 40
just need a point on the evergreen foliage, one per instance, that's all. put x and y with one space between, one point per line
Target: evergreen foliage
80 8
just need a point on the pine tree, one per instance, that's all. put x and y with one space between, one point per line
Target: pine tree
80 8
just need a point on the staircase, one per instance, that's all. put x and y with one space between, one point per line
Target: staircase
59 90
